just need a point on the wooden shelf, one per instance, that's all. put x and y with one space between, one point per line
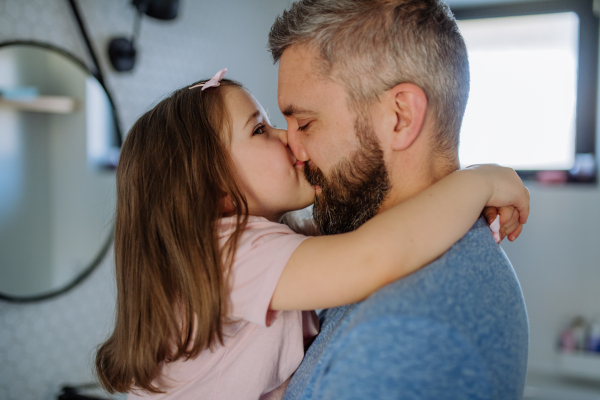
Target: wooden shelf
49 104
580 365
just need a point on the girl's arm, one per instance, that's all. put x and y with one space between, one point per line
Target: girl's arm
329 271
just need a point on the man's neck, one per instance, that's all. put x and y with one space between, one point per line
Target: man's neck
407 183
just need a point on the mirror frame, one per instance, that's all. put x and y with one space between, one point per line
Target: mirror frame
107 244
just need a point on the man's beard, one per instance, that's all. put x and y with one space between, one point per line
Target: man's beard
356 188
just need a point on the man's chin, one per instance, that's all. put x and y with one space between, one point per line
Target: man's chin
355 187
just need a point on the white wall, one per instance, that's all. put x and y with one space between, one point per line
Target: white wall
557 258
557 262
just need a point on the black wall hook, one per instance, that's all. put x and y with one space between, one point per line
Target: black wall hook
121 50
121 53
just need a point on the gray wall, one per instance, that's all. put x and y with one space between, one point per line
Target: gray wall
42 345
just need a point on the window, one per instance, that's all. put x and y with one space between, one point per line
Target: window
532 104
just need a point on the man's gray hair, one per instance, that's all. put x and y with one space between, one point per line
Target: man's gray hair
370 46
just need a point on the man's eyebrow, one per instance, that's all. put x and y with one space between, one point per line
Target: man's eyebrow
291 110
254 115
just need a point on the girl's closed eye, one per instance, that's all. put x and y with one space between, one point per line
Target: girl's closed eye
260 129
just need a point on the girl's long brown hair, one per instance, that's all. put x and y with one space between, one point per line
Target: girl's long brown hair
173 175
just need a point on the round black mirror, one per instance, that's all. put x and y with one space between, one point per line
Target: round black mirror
59 144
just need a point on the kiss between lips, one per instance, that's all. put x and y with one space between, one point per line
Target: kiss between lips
299 163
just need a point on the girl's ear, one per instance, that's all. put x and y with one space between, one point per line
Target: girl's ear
227 206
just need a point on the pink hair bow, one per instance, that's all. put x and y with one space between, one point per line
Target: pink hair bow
212 82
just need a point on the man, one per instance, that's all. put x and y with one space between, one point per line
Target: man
374 92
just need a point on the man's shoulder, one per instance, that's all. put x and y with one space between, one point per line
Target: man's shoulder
475 272
473 291
465 310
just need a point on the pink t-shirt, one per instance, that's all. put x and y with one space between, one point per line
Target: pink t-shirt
262 350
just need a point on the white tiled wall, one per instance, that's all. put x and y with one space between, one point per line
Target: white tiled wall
44 345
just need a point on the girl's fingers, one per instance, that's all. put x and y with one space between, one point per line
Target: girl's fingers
512 224
506 214
524 208
490 214
513 236
510 217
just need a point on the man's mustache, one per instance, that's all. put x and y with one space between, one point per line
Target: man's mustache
314 176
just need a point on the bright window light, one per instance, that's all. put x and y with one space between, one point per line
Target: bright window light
521 109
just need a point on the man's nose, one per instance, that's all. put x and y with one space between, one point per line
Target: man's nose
295 144
281 134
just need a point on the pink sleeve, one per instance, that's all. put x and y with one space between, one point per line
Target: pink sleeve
263 252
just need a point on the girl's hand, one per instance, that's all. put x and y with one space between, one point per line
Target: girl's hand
506 189
509 221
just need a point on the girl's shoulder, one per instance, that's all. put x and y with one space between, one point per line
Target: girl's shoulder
262 241
256 226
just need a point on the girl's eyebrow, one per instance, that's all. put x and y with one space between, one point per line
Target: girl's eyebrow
254 115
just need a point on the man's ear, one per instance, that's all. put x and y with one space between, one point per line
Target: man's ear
410 107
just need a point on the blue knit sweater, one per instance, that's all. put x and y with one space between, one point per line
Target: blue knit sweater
456 329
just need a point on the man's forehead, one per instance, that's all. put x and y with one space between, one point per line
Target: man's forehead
300 86
298 58
295 71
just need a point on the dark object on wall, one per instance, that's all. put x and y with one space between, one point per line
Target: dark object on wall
121 50
73 393
95 69
122 54
159 9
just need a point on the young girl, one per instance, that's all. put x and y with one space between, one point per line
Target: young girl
207 276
